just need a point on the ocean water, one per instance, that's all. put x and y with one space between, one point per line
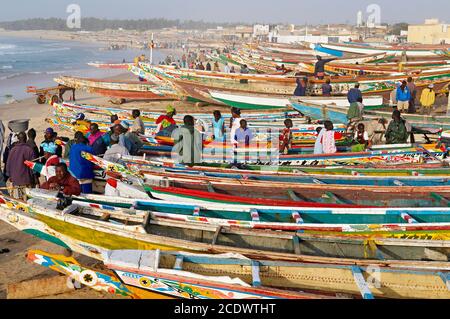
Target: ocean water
34 62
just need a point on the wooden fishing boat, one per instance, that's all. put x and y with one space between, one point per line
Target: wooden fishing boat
436 169
195 84
126 90
410 51
262 101
147 274
100 65
339 114
89 236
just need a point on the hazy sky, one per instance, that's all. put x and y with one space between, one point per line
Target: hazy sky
289 11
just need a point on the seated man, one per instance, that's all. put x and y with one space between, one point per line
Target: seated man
63 182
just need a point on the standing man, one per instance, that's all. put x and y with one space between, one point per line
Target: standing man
354 94
412 101
300 90
427 99
81 168
20 176
403 97
319 68
188 142
326 88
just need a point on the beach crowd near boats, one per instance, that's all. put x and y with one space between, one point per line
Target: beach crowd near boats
307 175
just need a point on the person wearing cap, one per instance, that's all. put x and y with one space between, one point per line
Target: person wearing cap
121 130
49 139
82 169
20 176
81 124
165 121
427 99
115 151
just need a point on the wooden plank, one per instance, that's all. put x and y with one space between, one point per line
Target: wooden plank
334 198
210 187
445 278
255 274
179 263
296 242
36 288
361 283
216 234
441 199
296 197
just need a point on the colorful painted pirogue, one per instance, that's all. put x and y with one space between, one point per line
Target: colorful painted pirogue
90 236
197 84
203 189
339 115
139 279
130 90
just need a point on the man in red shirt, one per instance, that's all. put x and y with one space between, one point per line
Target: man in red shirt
63 181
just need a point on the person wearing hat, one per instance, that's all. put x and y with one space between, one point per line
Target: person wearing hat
121 130
166 123
20 176
49 139
81 123
116 151
82 169
427 99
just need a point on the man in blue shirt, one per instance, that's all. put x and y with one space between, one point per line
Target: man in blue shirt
354 94
81 168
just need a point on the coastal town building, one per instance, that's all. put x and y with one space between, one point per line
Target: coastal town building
431 32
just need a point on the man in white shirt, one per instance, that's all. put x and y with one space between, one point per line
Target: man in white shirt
116 151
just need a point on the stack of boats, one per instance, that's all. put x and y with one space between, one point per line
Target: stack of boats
371 224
